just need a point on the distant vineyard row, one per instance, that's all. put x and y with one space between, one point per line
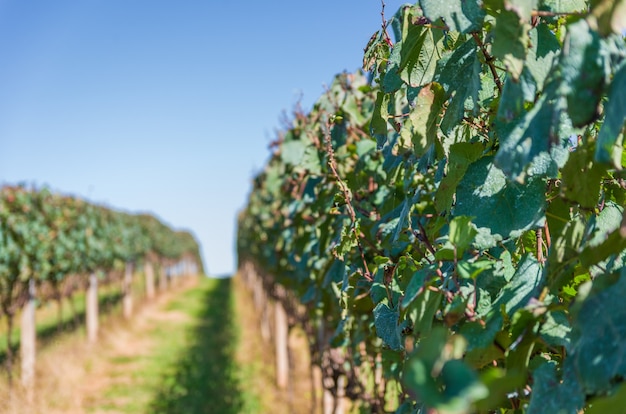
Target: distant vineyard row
52 244
449 228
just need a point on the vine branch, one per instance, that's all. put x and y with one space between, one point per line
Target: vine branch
384 24
348 197
489 60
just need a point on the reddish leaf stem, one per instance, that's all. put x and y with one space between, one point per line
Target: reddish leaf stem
348 197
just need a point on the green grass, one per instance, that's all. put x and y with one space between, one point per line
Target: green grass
191 365
205 377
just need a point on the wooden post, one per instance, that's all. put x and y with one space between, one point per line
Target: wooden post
282 352
91 311
340 403
27 342
162 278
328 402
149 272
265 318
317 388
127 301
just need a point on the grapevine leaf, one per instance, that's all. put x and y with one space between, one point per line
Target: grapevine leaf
391 77
461 233
423 309
459 74
608 235
556 329
582 65
582 178
525 284
348 239
461 156
415 285
463 16
550 395
292 152
534 145
420 55
543 50
378 124
386 323
598 363
510 42
523 8
612 404
513 97
505 207
564 6
425 116
439 380
376 50
607 148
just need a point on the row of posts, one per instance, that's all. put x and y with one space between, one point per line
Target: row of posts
328 394
170 275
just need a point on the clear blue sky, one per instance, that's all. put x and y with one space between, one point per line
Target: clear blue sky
165 106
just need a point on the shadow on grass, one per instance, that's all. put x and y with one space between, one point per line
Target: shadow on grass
205 379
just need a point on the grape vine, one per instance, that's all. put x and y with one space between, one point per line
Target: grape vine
455 215
52 239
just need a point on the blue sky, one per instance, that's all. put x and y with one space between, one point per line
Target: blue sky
165 106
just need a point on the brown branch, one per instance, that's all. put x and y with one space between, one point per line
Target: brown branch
545 13
540 257
348 197
384 24
489 60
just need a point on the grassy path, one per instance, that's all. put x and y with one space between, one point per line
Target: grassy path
193 350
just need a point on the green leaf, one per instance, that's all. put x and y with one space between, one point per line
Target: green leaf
611 404
544 48
461 233
535 145
425 116
378 124
598 354
416 284
459 74
471 270
525 284
505 207
523 8
348 239
500 384
386 323
463 16
510 40
608 148
556 329
607 231
423 309
582 65
420 53
436 377
391 76
551 396
292 152
565 6
582 178
461 156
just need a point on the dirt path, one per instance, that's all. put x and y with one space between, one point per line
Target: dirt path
76 377
194 349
